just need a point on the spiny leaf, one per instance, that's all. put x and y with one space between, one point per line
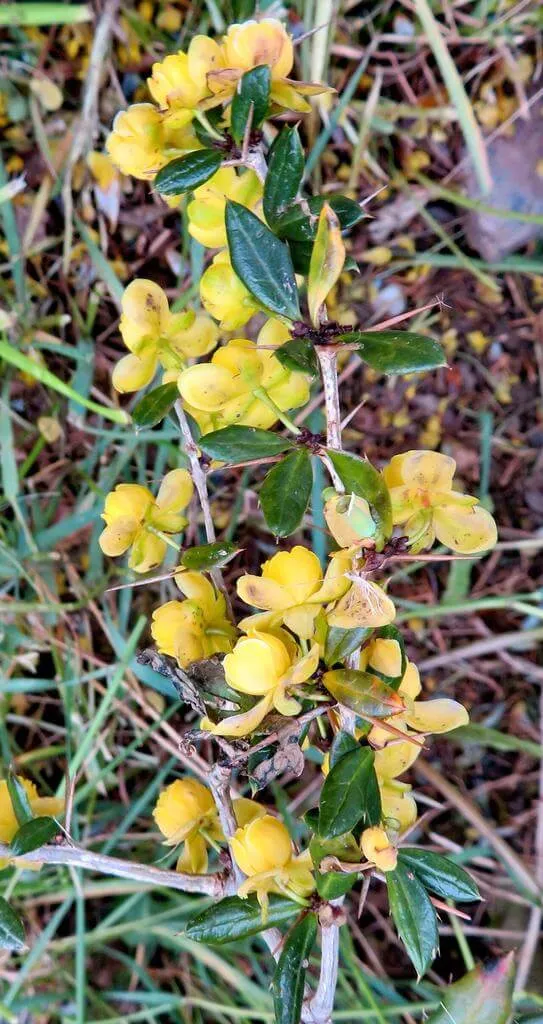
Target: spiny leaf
350 794
414 917
440 874
33 834
396 351
186 173
289 978
153 407
242 444
208 556
262 262
233 918
253 91
285 171
285 493
12 934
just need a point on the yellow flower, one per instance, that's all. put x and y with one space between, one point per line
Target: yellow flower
263 850
364 604
172 86
292 590
420 484
394 756
154 334
224 296
132 516
349 519
378 849
137 140
265 665
40 806
185 812
247 46
195 628
226 390
206 211
143 140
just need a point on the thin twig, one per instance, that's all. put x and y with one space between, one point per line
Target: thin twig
218 781
533 931
321 1005
74 856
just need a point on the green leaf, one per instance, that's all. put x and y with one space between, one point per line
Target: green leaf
262 262
186 173
396 351
12 934
342 642
234 918
285 172
300 227
343 743
440 875
19 798
326 263
414 917
299 354
474 734
289 977
343 847
153 407
253 89
209 556
242 10
363 693
241 444
360 477
350 794
285 493
333 884
33 834
484 996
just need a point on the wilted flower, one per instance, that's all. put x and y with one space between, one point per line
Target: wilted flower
154 334
224 296
40 806
424 502
377 848
264 851
365 604
195 628
207 208
292 590
133 517
266 665
186 813
349 519
229 389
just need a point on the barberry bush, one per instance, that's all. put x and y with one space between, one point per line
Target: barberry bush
313 668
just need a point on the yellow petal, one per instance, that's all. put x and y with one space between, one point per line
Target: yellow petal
301 619
175 491
193 859
378 849
421 469
398 806
127 501
335 582
263 593
117 538
181 805
147 552
132 373
204 55
246 810
246 723
254 666
364 604
382 655
175 622
145 312
209 387
436 716
303 669
298 572
199 590
466 530
395 758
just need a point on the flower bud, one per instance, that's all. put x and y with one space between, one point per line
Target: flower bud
263 845
378 849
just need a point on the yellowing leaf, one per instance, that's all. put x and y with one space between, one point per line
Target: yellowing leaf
327 261
48 93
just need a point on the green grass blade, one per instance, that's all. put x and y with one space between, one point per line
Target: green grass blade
44 14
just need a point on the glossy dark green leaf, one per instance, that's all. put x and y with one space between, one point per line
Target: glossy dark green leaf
19 798
253 91
440 874
342 642
301 255
333 884
296 223
289 977
285 172
233 918
153 407
12 933
484 996
285 493
414 917
343 847
208 556
343 743
299 354
241 444
33 834
350 794
262 262
360 477
186 173
362 693
396 351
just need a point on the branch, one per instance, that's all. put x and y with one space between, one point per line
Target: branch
328 363
319 1009
218 781
74 856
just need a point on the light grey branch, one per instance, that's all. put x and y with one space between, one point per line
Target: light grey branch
74 856
318 1009
218 781
328 363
